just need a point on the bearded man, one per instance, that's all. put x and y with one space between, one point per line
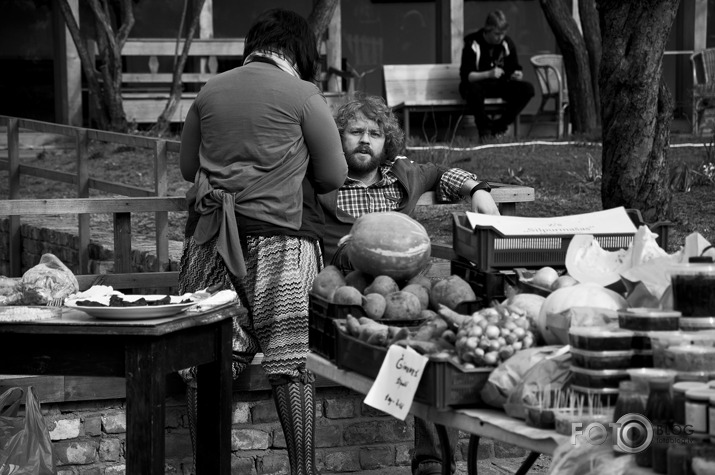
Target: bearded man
379 179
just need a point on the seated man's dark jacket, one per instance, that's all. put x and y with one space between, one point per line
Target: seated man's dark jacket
415 179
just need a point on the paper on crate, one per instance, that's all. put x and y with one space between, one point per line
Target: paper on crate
610 221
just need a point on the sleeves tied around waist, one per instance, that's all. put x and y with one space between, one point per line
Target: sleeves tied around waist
218 216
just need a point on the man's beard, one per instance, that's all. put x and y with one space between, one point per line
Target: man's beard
361 166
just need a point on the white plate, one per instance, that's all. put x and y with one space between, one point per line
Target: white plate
133 313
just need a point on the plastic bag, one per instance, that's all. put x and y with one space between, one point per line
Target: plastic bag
554 371
507 376
25 445
584 458
50 279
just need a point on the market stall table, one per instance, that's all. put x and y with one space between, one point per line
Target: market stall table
488 423
143 352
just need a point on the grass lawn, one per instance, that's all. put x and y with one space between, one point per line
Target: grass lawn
567 180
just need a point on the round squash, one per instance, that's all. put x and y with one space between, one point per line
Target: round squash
388 243
579 295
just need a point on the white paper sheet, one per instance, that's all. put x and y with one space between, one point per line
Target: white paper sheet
396 383
610 221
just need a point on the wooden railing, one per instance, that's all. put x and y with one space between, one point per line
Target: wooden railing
81 178
507 196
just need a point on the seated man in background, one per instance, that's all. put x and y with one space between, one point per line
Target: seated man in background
490 68
381 180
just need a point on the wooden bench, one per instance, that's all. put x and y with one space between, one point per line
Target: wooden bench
429 88
146 82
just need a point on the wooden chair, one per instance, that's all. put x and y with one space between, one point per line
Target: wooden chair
703 63
549 69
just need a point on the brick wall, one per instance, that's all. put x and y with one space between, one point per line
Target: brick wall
89 437
37 241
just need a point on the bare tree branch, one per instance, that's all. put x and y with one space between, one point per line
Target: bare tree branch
162 124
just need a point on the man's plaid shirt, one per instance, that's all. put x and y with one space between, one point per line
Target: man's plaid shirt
357 199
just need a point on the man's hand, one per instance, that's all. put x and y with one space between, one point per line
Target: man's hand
497 72
482 202
517 75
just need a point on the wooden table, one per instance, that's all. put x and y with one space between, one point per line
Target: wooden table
489 423
143 352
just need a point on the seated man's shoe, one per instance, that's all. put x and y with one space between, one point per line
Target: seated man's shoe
499 130
429 468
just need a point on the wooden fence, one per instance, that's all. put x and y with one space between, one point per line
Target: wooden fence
83 206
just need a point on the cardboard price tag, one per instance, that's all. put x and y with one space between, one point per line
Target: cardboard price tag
396 383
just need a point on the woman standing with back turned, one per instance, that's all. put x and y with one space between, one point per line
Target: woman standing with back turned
259 143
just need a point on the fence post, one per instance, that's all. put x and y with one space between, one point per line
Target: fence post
14 234
81 141
161 217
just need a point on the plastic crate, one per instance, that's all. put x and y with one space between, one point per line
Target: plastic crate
443 384
321 330
490 250
487 285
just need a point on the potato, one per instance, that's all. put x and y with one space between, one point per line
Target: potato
420 292
347 295
358 279
422 280
374 305
402 306
382 284
451 292
327 281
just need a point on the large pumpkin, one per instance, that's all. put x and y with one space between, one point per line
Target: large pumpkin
388 243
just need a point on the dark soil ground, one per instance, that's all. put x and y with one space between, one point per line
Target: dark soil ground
565 176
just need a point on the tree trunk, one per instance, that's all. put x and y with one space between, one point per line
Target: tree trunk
592 37
636 105
320 17
97 108
582 105
162 124
106 95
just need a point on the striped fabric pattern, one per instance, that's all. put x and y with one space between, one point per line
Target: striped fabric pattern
280 273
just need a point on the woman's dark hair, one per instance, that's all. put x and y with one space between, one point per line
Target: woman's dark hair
287 33
374 108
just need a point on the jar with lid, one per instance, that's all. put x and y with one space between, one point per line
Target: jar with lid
630 400
678 459
711 417
659 412
696 410
679 390
693 287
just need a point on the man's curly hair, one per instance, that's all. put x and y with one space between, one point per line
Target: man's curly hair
374 108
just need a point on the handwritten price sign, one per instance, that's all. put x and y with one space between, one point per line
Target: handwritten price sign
396 383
